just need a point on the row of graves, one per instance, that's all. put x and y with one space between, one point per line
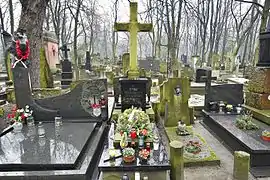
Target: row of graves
59 137
243 123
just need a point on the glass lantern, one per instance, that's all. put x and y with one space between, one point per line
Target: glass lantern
156 143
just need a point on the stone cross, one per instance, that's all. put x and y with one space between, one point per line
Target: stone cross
65 49
133 27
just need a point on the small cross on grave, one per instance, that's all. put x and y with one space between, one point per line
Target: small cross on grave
133 27
65 49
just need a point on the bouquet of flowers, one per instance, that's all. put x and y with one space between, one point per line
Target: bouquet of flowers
19 115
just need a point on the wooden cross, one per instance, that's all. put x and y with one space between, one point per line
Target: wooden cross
65 49
133 27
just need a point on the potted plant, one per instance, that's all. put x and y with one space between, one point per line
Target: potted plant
128 155
266 135
193 147
144 155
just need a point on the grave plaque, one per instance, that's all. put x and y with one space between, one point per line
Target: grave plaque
264 50
133 93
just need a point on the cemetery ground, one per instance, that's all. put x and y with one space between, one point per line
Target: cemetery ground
222 172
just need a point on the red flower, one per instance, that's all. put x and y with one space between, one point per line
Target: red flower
95 105
23 116
144 132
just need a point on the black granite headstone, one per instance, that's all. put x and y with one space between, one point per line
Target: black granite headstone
67 74
148 65
77 104
88 61
201 74
264 60
133 93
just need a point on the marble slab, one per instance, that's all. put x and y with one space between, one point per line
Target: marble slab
59 149
158 160
241 140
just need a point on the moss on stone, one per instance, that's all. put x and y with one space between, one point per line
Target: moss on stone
46 78
211 160
11 96
41 93
8 62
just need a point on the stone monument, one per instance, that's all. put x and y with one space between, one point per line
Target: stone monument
133 88
67 74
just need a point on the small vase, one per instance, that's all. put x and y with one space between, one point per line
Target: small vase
17 127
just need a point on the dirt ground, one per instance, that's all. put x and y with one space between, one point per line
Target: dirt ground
222 172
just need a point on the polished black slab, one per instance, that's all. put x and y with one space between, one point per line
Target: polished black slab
61 148
158 161
244 140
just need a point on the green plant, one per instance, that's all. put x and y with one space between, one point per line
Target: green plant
245 122
266 133
128 152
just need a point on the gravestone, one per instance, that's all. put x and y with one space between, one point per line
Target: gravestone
201 74
77 104
184 58
88 61
133 93
67 74
150 65
264 50
133 83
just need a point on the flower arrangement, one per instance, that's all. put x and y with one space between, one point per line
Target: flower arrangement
193 147
245 122
135 123
19 115
144 154
266 135
128 155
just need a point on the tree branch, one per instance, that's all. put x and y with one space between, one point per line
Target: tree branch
258 4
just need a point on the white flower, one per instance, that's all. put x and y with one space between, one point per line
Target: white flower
31 112
27 110
19 118
26 107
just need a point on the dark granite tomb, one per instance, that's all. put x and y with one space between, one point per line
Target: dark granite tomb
158 162
201 74
75 104
223 125
264 60
133 93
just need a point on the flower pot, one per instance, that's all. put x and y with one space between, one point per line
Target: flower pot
265 138
129 159
17 127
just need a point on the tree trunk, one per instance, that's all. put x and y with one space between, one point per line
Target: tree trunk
11 14
32 18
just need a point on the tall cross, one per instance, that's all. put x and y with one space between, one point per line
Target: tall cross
133 27
65 49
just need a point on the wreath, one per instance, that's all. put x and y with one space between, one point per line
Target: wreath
22 55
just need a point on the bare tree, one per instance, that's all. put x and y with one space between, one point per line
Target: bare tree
32 18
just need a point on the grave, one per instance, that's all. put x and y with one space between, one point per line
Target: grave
133 138
66 65
70 151
150 65
88 62
223 120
